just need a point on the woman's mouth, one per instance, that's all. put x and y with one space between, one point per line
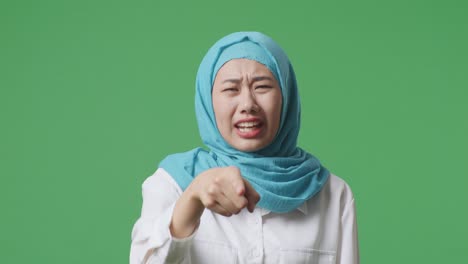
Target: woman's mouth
249 129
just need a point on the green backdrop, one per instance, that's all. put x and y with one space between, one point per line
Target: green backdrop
95 93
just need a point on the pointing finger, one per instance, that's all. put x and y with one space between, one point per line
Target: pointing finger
252 196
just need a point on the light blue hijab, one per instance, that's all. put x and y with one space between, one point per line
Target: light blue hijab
283 174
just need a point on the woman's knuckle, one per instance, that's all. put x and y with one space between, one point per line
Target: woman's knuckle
210 203
212 189
216 179
227 214
233 169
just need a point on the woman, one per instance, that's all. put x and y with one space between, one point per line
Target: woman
254 196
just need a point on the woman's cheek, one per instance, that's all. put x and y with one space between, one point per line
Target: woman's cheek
227 110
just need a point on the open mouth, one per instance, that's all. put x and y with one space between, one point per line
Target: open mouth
248 126
249 129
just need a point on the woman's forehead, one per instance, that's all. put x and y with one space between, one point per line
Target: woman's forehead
249 67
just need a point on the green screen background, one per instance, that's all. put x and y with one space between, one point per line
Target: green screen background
95 93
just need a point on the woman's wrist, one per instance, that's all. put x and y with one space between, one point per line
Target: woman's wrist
186 215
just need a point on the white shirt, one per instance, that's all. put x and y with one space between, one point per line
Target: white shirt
321 231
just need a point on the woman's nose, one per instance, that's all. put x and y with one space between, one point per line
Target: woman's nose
248 104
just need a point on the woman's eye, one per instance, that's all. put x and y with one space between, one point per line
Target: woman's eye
263 87
230 89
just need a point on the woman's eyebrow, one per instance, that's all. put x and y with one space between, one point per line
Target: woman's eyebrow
254 79
261 78
232 80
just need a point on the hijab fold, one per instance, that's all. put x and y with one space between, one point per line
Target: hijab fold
283 174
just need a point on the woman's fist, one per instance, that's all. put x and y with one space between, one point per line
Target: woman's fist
224 191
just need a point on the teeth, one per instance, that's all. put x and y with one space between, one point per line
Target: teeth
247 124
246 129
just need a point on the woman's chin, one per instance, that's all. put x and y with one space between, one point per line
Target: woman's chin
249 145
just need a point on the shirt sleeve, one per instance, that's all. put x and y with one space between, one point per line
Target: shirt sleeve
349 249
152 241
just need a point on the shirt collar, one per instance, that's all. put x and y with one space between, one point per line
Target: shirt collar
302 208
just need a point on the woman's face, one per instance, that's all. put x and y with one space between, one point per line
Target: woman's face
247 104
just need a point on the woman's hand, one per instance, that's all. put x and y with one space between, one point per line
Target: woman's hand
222 190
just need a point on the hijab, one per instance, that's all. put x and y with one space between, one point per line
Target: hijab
283 174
